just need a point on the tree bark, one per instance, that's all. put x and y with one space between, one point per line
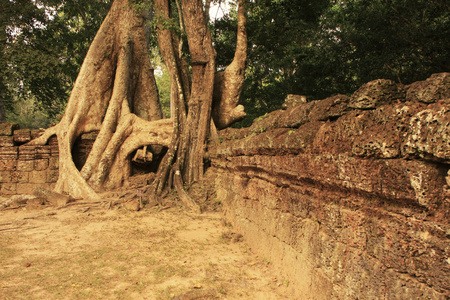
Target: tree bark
115 93
228 84
200 102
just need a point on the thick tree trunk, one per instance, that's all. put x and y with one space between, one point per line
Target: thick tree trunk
115 93
191 99
228 84
200 102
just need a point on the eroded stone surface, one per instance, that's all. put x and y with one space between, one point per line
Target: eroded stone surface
433 89
349 198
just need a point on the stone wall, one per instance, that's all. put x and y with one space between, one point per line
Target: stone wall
24 167
347 196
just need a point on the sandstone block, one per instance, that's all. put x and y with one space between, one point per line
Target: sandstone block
35 133
27 152
53 163
376 93
41 164
431 90
26 188
6 141
22 177
8 165
13 176
52 176
8 188
37 177
9 153
53 140
8 128
25 165
54 150
43 152
22 136
5 176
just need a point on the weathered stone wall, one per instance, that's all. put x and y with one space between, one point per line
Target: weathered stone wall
347 196
24 167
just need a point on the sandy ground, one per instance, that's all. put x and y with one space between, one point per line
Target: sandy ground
90 251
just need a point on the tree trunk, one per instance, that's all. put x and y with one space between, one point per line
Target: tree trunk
200 102
115 93
228 84
191 99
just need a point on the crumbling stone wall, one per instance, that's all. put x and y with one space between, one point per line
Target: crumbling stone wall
24 167
347 196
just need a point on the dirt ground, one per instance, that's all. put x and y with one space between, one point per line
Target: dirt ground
93 251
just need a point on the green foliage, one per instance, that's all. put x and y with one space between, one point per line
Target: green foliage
280 37
400 40
325 47
315 48
28 114
163 83
43 45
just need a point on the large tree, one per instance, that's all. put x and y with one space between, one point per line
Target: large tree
115 93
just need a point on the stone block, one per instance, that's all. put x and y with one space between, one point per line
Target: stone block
54 150
293 100
41 164
13 176
27 152
37 177
6 141
431 90
8 188
43 152
25 165
5 176
8 165
9 153
53 140
35 133
53 163
20 176
26 188
52 176
8 128
22 136
376 93
428 133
